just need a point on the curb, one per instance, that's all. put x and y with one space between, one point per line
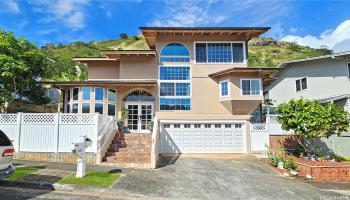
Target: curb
51 186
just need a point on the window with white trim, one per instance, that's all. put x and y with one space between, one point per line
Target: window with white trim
174 52
111 101
300 84
220 52
251 87
224 88
175 87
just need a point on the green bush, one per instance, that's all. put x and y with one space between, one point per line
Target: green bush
290 164
274 159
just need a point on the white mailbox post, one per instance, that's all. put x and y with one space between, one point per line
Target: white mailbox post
79 150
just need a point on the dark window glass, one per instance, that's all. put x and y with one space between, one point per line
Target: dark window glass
86 93
175 73
4 140
303 84
201 52
246 87
68 95
255 87
99 94
349 70
75 93
183 89
224 88
86 108
167 89
111 95
174 52
139 95
297 85
111 109
175 104
219 52
237 52
68 108
75 108
99 108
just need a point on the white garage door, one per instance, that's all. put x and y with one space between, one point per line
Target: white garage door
202 137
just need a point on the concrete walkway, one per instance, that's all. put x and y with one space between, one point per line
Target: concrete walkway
237 177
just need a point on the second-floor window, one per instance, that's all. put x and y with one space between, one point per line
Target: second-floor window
174 52
222 52
251 87
175 88
300 84
224 88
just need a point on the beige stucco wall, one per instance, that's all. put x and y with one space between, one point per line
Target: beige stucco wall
103 70
138 67
205 100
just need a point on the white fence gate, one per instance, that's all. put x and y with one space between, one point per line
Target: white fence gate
55 132
259 137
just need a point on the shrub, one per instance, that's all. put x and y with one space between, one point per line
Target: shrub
290 164
312 120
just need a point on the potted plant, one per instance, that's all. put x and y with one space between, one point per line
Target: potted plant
120 123
149 125
125 115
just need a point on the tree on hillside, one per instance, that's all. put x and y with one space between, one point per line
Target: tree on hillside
312 121
22 64
123 36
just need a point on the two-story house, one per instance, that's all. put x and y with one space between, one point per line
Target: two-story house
324 78
195 81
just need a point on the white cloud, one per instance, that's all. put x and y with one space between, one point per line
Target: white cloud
293 30
69 12
187 13
334 39
10 6
220 13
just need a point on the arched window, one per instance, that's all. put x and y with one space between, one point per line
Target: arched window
174 52
139 95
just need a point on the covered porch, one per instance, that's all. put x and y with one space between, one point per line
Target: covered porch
109 98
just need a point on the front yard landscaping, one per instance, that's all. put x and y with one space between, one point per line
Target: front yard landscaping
95 179
310 121
22 172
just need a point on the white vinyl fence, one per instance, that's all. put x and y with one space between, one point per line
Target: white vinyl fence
55 132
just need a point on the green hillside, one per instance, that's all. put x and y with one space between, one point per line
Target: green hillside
263 52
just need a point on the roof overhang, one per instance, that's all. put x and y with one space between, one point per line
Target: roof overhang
129 52
331 56
119 82
91 59
150 33
266 73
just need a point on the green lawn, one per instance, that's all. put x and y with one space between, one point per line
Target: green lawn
95 179
22 172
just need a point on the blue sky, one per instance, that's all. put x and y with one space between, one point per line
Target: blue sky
312 23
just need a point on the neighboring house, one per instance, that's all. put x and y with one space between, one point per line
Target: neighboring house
195 81
324 78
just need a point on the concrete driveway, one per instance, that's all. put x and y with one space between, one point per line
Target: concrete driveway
242 177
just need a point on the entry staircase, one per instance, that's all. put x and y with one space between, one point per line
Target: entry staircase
130 150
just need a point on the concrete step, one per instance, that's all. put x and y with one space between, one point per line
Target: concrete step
130 146
128 149
128 159
131 141
132 154
127 165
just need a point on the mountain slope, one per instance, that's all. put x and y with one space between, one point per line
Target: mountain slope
263 52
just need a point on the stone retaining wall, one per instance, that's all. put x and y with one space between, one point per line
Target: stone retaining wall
325 173
54 157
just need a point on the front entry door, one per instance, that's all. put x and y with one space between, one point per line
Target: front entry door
140 114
